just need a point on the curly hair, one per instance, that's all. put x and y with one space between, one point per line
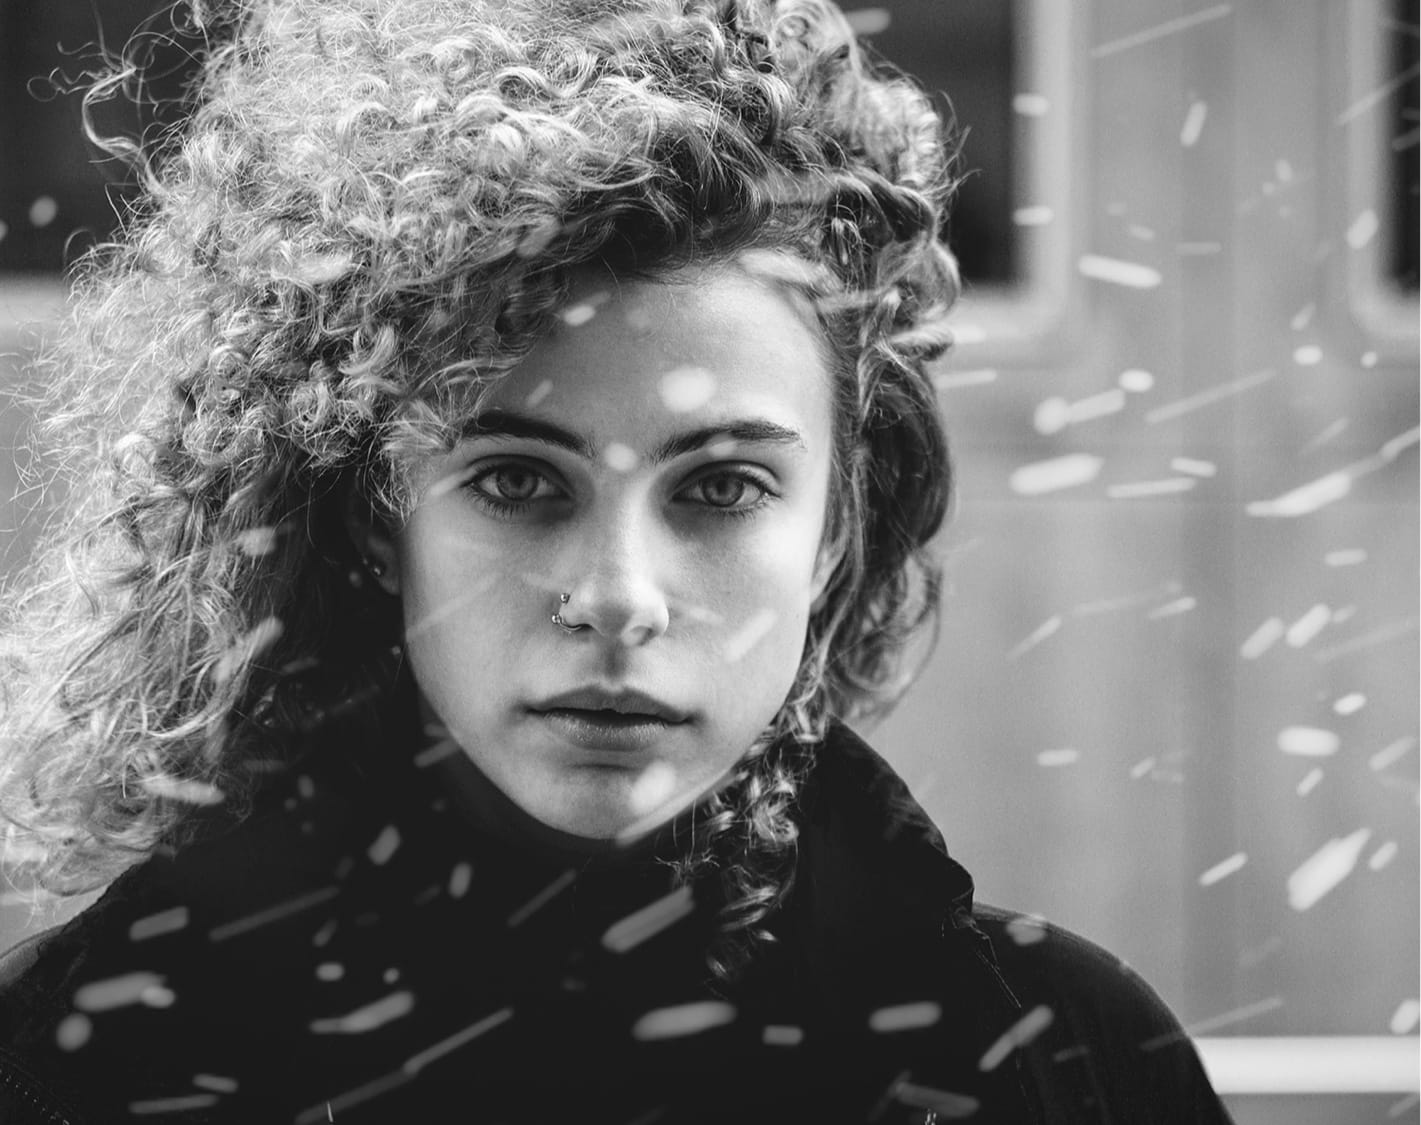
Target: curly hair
375 209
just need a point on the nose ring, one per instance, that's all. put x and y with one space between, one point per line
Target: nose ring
557 620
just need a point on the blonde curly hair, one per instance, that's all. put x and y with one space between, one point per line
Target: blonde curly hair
375 209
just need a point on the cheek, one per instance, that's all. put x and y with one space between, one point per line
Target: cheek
459 615
441 577
446 558
762 609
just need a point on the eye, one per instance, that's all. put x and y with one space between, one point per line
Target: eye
730 491
510 486
513 482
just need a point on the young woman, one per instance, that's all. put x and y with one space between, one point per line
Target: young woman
503 463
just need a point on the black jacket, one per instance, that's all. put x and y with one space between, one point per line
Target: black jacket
357 952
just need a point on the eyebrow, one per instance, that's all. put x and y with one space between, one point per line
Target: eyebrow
509 423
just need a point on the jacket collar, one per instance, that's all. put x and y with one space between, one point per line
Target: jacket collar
868 841
882 917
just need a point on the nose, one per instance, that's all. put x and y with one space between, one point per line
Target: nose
615 586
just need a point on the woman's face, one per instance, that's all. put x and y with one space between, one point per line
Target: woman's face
664 458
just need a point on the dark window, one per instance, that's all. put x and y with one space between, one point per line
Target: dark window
963 51
59 194
1402 126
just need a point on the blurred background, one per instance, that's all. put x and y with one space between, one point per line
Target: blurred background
1174 704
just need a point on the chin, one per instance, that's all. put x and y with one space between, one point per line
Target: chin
589 818
617 823
601 827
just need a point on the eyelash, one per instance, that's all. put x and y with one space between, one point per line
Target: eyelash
507 508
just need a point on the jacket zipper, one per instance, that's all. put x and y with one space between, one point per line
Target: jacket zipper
975 939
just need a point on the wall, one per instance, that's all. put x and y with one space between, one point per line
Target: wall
1174 702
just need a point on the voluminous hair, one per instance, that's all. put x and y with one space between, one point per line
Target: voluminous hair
374 210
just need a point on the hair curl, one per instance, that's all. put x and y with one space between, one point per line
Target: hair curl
376 208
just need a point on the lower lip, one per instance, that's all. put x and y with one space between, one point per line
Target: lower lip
607 730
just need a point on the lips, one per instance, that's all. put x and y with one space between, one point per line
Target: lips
615 708
626 725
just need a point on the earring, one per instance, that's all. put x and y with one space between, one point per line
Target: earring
376 568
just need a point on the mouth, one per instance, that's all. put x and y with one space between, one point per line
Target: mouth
611 707
604 729
613 720
609 719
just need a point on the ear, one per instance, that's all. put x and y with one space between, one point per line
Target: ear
373 541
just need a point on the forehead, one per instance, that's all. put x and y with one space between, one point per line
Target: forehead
694 344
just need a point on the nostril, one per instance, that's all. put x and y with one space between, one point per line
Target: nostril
631 615
648 625
636 634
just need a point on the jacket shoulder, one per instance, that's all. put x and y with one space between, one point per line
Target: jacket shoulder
1094 1035
28 1093
16 961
